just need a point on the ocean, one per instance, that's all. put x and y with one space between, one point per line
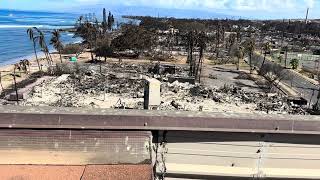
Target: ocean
14 41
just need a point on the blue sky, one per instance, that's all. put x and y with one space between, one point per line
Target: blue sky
245 8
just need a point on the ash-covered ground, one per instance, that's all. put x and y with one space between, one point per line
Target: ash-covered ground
122 86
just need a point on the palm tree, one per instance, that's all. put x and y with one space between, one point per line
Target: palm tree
231 41
249 48
80 20
1 82
217 40
266 48
239 54
202 40
286 48
88 33
56 42
14 75
43 45
33 38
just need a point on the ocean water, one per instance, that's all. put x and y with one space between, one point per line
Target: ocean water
14 41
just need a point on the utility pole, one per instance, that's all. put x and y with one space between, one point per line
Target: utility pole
307 14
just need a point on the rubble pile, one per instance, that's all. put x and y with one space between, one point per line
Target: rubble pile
96 83
133 68
122 86
89 88
194 96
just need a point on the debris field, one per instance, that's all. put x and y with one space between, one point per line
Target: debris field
122 86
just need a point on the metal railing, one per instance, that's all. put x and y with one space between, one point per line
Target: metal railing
18 117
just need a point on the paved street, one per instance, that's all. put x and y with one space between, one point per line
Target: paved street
227 75
306 89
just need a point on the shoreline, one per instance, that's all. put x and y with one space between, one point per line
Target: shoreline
29 54
31 57
6 70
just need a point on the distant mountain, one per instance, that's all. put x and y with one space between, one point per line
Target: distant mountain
155 12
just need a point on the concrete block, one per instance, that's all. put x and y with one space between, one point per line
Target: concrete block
167 69
152 94
23 93
13 96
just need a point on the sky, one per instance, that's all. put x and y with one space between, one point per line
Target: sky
255 9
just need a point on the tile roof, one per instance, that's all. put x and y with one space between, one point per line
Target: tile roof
90 172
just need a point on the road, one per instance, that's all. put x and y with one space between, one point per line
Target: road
227 75
305 88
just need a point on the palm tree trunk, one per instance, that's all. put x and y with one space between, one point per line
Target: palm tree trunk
285 59
1 82
15 85
200 71
91 55
250 62
48 53
218 42
238 66
90 47
47 57
50 58
60 56
35 52
264 59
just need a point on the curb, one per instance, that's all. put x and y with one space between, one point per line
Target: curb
314 82
281 86
287 89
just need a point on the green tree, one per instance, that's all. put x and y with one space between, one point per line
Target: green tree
89 33
110 21
104 49
134 38
294 63
33 38
104 22
56 42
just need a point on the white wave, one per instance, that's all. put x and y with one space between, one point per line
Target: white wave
20 26
2 26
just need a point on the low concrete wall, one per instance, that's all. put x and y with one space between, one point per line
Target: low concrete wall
211 155
68 147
